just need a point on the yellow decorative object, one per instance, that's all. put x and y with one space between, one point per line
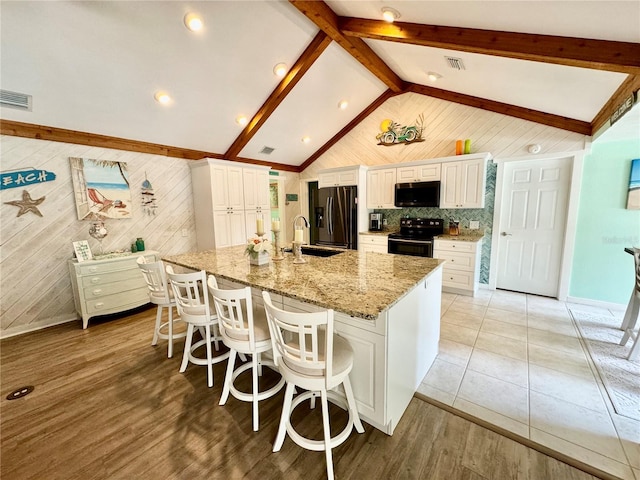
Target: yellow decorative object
385 124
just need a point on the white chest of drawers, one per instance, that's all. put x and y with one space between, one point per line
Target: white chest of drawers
108 285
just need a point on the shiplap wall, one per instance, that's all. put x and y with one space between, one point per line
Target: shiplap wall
445 122
35 289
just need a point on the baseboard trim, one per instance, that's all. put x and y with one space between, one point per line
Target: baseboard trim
596 303
32 327
520 439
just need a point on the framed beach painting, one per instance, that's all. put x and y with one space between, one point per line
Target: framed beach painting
633 197
101 188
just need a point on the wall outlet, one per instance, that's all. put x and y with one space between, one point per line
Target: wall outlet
474 225
185 232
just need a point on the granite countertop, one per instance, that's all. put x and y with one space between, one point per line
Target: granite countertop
464 237
383 233
361 284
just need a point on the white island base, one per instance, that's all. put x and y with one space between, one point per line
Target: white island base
393 353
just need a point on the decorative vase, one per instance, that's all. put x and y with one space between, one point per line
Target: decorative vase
261 258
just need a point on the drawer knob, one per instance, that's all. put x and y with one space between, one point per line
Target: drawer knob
95 280
93 269
99 305
97 291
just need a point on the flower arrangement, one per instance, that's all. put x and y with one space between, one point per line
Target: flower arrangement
256 246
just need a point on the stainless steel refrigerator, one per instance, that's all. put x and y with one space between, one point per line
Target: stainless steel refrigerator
335 217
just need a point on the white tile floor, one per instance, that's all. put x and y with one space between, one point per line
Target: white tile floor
517 361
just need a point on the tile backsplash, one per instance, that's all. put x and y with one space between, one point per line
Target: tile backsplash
463 215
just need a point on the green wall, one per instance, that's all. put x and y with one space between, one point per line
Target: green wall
601 269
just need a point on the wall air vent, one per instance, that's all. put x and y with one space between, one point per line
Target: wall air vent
267 150
20 101
455 63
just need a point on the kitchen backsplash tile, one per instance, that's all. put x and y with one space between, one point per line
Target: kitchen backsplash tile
462 215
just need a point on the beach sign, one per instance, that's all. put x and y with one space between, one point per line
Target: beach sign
22 178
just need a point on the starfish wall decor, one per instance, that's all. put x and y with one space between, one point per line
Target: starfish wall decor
27 204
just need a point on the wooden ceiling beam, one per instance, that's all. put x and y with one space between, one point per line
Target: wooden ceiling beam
41 132
626 89
313 51
576 52
347 128
320 14
543 118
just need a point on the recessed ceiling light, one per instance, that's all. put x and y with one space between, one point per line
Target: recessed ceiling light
343 104
193 22
433 76
242 120
390 14
162 97
306 139
280 70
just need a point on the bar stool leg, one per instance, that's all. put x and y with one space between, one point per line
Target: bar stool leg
228 378
207 330
327 433
254 393
187 348
170 350
286 411
154 342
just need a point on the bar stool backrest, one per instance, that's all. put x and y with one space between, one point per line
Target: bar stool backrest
235 312
192 297
156 278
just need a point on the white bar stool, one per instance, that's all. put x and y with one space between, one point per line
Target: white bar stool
633 312
192 300
311 356
161 294
243 330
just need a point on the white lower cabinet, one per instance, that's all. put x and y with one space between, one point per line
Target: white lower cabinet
373 243
461 273
230 228
108 285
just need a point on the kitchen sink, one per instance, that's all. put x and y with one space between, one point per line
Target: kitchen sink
319 252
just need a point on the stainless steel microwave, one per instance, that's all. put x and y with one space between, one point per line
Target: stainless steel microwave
418 194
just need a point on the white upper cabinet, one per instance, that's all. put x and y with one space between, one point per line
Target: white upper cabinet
338 178
463 183
226 187
381 186
418 173
256 188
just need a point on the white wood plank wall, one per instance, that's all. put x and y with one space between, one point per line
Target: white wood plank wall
35 289
445 122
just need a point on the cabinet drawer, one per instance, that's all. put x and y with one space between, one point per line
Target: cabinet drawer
97 291
112 277
113 266
381 240
119 301
457 261
457 279
455 246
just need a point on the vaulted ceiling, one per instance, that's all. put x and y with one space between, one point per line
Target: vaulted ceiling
92 69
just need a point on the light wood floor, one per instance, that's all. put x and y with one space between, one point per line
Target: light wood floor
108 405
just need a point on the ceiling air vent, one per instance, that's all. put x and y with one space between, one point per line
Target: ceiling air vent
20 101
455 63
267 150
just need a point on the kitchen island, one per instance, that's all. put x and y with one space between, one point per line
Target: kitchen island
386 306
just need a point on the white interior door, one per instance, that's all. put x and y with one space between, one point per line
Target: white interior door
532 225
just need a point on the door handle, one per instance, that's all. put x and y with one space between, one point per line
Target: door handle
505 234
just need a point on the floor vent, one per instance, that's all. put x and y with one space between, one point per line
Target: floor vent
20 101
455 63
20 392
267 150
